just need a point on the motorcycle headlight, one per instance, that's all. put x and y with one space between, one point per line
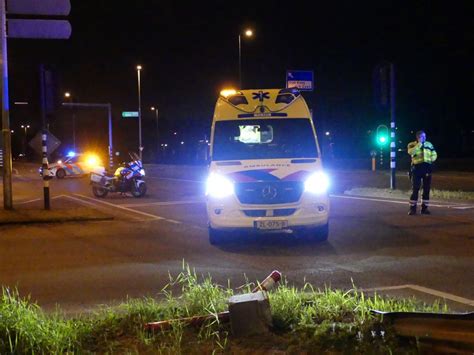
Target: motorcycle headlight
142 172
317 183
218 186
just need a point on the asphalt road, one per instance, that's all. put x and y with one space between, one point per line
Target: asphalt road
373 244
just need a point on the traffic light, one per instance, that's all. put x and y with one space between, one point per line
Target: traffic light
382 135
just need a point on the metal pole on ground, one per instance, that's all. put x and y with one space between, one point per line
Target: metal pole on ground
44 141
6 133
111 153
393 152
140 146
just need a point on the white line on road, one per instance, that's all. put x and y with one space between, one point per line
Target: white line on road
427 290
460 206
130 210
37 199
163 203
29 201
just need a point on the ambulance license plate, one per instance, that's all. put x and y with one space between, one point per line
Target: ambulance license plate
271 224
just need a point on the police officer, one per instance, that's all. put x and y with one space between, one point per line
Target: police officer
423 155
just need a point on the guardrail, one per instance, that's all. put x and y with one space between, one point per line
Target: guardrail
438 332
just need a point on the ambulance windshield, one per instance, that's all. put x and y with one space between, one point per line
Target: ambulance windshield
264 139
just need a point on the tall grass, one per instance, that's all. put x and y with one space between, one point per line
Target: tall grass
304 319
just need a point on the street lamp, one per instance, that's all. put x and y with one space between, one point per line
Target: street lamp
68 95
140 147
247 33
153 108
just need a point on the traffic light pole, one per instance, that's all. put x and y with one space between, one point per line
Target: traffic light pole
6 133
393 151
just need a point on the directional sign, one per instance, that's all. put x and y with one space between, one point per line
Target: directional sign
129 114
45 29
42 7
300 79
53 143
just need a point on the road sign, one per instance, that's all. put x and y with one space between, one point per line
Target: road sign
129 114
35 7
53 143
43 29
300 79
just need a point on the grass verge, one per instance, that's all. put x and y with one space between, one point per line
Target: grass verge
388 193
304 320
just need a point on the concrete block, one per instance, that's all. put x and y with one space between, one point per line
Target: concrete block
250 314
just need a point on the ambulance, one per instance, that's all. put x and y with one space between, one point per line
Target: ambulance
265 172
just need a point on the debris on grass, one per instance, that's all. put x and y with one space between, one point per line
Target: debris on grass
304 320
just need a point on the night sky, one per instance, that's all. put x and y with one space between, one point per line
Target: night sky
190 52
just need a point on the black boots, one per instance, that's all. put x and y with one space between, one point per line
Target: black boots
424 209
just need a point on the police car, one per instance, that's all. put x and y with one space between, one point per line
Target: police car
73 165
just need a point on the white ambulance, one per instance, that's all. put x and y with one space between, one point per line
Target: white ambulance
265 172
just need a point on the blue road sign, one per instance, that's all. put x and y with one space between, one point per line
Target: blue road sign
43 7
300 79
44 29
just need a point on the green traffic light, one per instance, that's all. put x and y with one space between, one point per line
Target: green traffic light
382 139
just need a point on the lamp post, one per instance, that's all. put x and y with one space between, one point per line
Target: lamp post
25 127
153 108
140 147
247 33
67 95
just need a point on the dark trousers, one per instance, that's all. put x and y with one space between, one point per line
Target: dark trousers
421 173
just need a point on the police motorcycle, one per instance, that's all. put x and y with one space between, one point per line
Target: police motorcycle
127 178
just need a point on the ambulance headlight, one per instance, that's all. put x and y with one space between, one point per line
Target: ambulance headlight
142 172
218 186
317 183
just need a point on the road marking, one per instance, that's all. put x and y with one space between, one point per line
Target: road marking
460 206
29 201
163 203
427 290
130 210
37 199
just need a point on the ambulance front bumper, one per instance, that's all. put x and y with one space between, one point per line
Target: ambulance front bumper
229 214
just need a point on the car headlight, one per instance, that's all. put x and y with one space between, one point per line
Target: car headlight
317 183
142 172
218 186
92 160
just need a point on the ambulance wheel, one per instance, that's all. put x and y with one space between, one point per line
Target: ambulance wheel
99 192
319 234
216 237
60 174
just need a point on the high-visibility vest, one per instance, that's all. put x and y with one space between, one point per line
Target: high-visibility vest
422 153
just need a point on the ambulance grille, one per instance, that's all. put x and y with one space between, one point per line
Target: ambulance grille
269 193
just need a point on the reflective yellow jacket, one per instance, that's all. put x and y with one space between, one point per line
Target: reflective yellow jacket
422 153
